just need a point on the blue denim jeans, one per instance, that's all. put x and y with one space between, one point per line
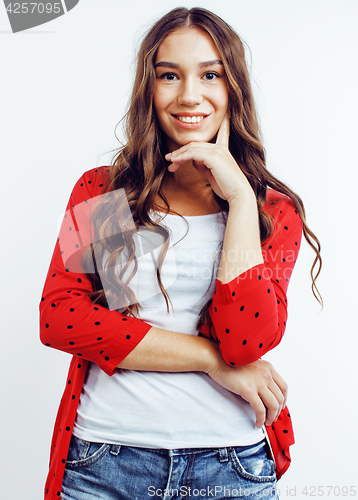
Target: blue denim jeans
117 472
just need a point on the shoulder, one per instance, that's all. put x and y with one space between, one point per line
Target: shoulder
279 205
92 183
284 215
276 201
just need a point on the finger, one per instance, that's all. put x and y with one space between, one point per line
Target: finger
191 145
173 167
257 405
280 382
272 405
276 391
193 153
224 132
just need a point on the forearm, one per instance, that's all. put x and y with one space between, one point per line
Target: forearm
241 246
167 351
259 384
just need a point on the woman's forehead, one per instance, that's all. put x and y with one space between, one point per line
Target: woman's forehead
188 41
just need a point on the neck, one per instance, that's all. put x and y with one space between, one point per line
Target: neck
188 192
186 178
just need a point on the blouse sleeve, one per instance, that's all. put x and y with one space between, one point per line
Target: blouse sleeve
68 319
248 314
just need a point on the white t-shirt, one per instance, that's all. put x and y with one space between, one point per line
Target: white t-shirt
162 409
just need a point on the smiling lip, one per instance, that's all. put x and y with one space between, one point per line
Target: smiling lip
194 125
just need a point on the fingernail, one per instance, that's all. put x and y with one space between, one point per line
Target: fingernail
168 156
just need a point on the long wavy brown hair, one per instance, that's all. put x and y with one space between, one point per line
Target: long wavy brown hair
139 166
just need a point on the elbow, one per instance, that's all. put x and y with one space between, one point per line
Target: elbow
243 351
241 357
44 333
47 328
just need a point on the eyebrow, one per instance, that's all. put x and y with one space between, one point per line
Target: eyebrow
204 64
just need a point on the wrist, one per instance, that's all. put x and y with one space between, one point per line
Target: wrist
243 197
211 357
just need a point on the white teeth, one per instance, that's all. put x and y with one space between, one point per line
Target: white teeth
190 119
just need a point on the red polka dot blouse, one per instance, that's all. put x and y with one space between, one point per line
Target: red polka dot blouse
247 317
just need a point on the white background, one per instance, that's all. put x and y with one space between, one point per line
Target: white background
64 86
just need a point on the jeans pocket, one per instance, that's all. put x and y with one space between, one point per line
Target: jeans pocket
82 453
254 462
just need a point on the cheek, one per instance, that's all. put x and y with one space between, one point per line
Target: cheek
159 110
220 101
157 101
224 100
160 100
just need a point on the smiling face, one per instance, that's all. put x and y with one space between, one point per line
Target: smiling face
191 97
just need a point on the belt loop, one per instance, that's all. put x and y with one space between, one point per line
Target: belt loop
115 449
223 456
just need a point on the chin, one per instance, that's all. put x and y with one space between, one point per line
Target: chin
196 137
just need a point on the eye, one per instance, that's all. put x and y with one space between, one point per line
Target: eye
168 76
211 75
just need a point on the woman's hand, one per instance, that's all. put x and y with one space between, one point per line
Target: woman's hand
215 162
258 383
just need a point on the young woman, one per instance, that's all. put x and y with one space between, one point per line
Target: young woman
168 283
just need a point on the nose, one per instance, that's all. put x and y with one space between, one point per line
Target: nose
189 93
